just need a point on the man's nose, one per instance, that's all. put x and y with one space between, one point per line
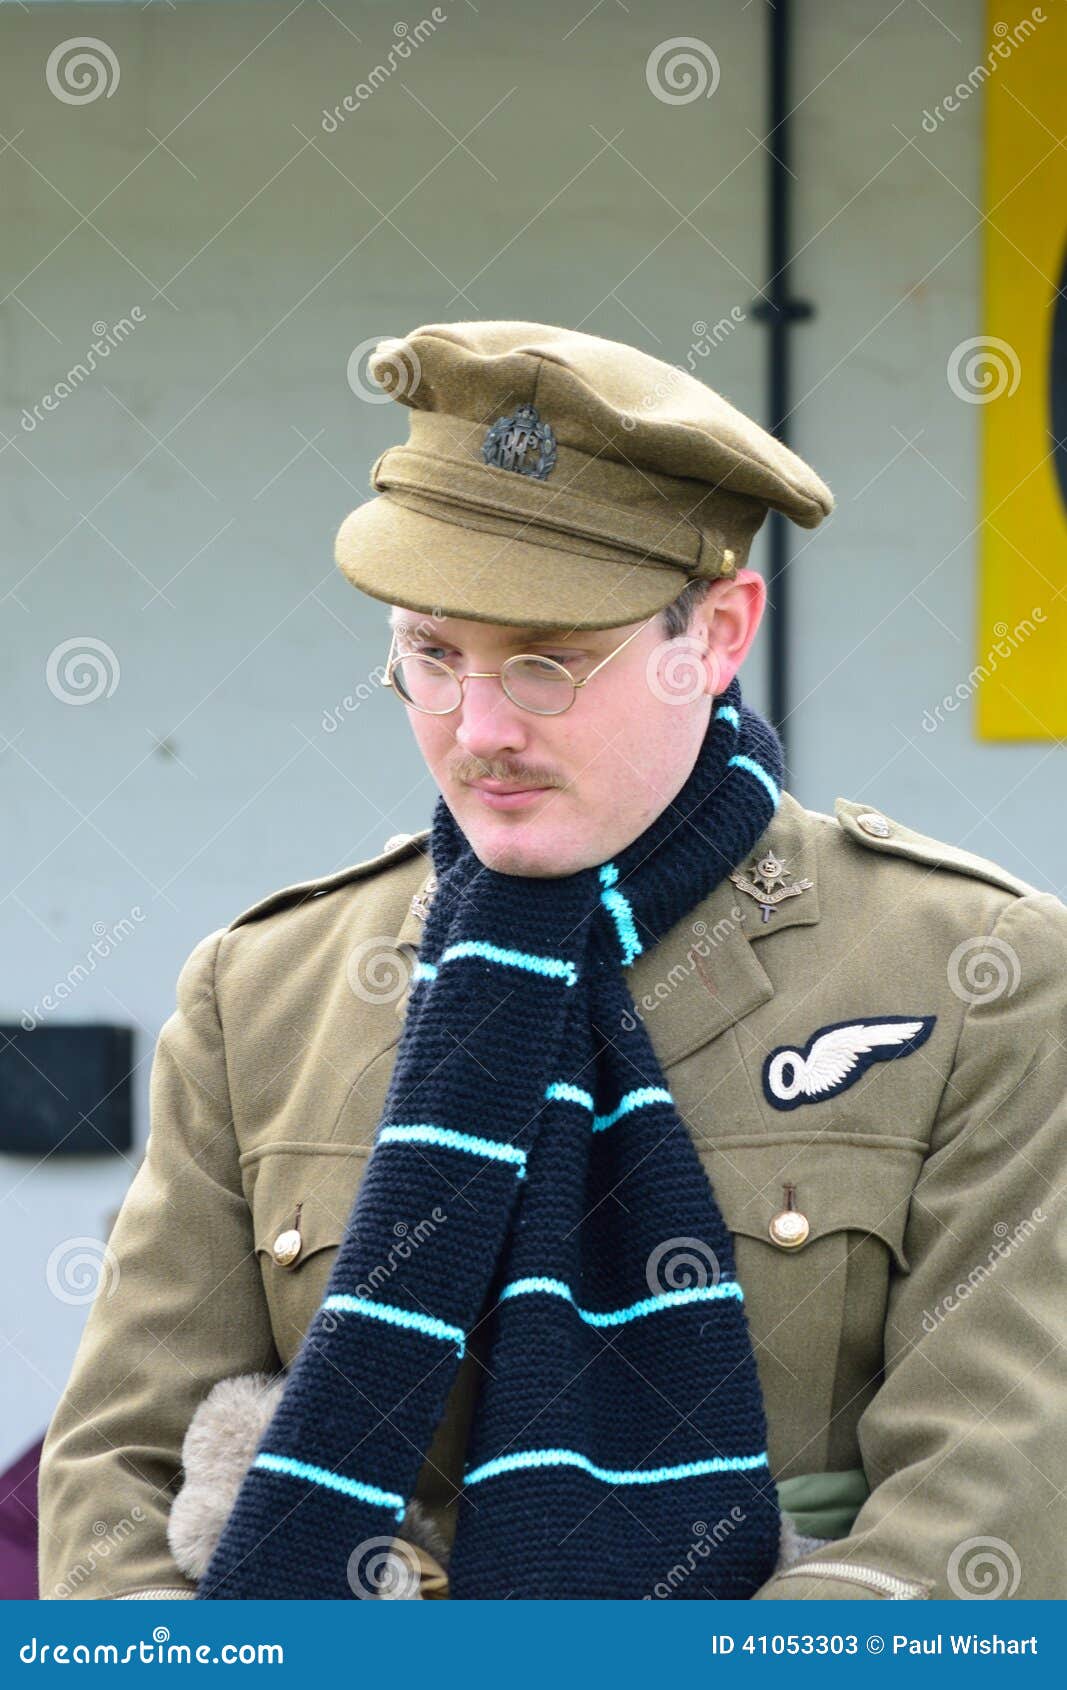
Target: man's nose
487 722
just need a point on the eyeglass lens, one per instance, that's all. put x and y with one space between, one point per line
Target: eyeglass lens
533 683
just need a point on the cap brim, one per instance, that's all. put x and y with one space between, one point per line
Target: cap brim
405 557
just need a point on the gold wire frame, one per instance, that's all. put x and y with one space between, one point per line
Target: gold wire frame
500 674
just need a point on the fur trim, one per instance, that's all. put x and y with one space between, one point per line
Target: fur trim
794 1544
218 1448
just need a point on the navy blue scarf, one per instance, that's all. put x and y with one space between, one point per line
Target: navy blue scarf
619 1421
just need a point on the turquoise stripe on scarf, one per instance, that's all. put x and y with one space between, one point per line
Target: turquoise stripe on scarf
396 1316
613 1475
293 1469
754 768
638 1099
563 1092
551 967
619 909
423 1132
725 1289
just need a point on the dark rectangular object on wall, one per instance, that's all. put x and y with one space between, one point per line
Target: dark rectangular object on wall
65 1089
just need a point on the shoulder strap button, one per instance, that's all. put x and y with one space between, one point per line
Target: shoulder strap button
874 824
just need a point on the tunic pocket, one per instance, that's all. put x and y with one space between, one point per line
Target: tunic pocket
301 1196
818 1229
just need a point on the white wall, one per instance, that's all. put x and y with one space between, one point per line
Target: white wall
181 504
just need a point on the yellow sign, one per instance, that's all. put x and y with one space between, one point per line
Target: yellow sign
1016 372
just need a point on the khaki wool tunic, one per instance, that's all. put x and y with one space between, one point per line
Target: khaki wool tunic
911 1345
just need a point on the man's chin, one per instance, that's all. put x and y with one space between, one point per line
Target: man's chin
511 858
527 851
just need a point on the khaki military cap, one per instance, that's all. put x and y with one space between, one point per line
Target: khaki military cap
552 478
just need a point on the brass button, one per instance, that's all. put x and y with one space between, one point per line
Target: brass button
871 822
789 1228
287 1247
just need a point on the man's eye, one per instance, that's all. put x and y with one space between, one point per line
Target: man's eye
443 654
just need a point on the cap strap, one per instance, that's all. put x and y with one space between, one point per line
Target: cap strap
505 493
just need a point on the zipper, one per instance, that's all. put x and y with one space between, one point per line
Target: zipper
886 1584
155 1593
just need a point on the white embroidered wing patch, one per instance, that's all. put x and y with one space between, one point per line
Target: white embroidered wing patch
835 1057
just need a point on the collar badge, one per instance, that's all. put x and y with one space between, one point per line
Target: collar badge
769 882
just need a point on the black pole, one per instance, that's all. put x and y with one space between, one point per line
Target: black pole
779 310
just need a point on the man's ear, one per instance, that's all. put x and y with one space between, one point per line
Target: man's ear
728 617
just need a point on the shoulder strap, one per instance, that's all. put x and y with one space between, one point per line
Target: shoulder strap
876 831
397 848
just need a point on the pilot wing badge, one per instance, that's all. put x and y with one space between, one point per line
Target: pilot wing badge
834 1057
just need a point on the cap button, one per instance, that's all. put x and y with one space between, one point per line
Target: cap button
286 1247
789 1228
871 822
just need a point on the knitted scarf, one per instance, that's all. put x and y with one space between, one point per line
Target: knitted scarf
619 1424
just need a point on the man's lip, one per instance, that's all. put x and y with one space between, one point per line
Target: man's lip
502 788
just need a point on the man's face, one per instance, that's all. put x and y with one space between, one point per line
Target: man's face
596 775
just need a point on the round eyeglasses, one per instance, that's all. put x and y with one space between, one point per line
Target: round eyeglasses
538 684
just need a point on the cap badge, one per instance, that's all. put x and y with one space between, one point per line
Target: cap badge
521 442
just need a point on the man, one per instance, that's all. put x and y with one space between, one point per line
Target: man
859 1028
